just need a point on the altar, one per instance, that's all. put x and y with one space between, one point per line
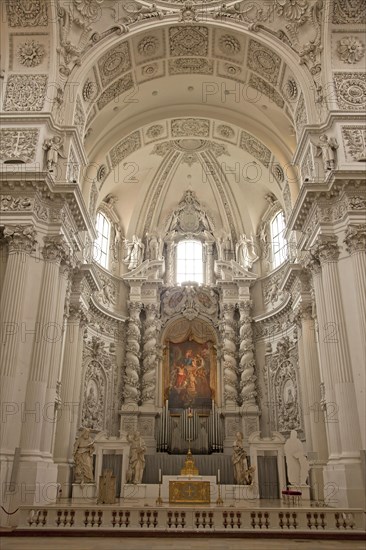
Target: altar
189 489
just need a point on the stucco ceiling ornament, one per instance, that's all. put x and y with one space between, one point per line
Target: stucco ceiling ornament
354 139
185 41
114 63
256 148
264 61
190 127
125 147
229 44
32 13
225 131
155 131
351 90
290 89
350 49
189 217
148 46
262 86
293 10
90 90
31 53
188 12
349 11
191 65
134 12
25 92
90 10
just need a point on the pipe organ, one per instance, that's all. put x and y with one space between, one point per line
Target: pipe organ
205 432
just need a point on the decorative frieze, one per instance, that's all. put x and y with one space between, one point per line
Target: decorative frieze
19 144
190 127
9 203
354 140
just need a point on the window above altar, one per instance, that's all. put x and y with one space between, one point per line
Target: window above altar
101 245
189 261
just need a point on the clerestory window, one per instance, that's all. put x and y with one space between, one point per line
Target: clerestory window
189 262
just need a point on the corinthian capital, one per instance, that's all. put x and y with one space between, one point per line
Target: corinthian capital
355 239
326 248
312 263
55 249
20 238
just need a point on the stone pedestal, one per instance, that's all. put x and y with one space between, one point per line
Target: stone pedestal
85 491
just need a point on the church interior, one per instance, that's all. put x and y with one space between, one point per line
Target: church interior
182 275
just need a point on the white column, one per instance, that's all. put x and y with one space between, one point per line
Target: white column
349 428
67 415
21 241
310 375
331 418
35 399
229 355
356 245
50 414
131 388
150 353
248 392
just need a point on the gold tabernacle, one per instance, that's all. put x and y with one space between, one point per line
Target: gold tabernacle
189 492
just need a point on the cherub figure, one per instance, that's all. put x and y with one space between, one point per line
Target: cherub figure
54 149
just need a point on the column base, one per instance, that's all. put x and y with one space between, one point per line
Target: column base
344 485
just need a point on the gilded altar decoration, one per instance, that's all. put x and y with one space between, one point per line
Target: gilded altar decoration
189 492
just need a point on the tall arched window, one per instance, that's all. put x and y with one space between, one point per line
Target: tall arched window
279 245
101 245
189 266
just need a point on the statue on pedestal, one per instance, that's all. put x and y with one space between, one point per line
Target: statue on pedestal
239 460
54 149
83 457
135 253
297 463
136 464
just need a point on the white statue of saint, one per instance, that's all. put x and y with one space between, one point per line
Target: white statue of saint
245 251
54 149
239 460
297 463
136 464
83 457
326 148
135 253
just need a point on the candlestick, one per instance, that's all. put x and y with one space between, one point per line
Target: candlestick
159 475
218 476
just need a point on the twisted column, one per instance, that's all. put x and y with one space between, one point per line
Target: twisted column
150 353
228 331
248 391
21 241
131 389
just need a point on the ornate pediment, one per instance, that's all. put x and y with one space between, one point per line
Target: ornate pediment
149 270
232 271
190 301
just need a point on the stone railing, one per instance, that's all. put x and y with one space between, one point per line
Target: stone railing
317 521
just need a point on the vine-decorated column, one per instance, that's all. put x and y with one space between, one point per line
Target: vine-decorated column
131 388
150 353
248 378
228 331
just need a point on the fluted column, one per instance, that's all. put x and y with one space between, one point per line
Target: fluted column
356 245
35 399
150 353
350 437
69 409
228 331
131 387
51 392
248 378
326 372
310 376
355 241
21 242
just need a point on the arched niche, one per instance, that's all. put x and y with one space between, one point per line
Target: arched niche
190 371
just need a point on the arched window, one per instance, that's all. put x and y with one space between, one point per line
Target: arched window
101 245
189 266
279 245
